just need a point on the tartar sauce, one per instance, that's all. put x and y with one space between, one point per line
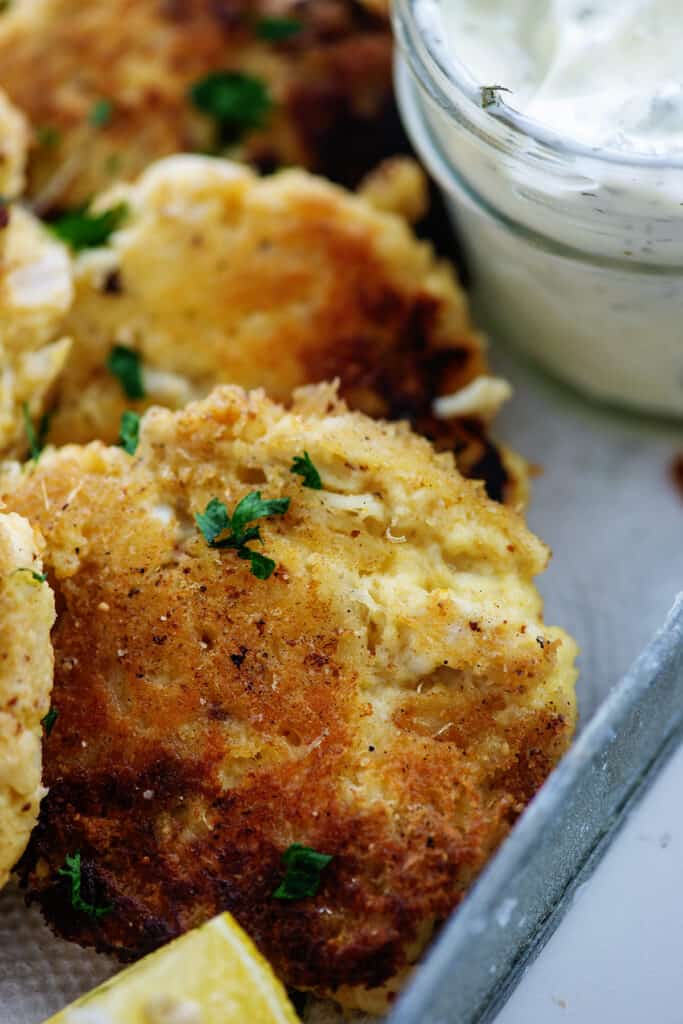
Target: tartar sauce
608 73
567 189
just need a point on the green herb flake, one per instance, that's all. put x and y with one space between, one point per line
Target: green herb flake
5 5
490 94
48 135
83 230
237 102
275 30
72 870
125 364
216 520
36 437
35 577
303 467
129 431
213 521
302 876
252 507
101 113
48 721
262 567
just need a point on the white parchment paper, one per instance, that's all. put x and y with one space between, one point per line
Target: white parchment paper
606 505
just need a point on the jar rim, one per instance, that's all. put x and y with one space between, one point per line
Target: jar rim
419 50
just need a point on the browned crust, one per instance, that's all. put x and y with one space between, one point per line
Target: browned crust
338 291
174 666
331 83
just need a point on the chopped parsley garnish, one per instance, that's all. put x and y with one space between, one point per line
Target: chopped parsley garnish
48 722
274 30
72 870
83 230
5 5
35 437
302 876
303 467
125 364
129 431
48 135
100 113
489 94
238 103
36 577
215 520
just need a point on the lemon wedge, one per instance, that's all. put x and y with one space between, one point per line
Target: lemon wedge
211 975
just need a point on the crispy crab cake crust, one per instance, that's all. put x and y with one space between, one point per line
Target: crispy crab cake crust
329 82
36 290
219 276
27 612
14 142
390 696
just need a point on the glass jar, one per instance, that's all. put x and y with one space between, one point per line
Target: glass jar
576 254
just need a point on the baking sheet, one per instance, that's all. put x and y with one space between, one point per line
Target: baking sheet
606 504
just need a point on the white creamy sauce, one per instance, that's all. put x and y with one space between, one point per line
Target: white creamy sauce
576 258
608 73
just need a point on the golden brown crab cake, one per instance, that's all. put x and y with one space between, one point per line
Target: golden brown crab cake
219 276
36 290
389 697
107 86
27 612
14 140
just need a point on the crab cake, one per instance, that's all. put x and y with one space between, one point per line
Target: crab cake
219 276
369 678
35 292
27 612
14 139
112 85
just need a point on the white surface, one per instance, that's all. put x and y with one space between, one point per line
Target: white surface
618 954
606 505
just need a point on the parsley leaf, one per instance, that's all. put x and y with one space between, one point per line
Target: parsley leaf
302 876
489 94
262 567
253 507
36 437
36 577
83 230
100 113
125 364
237 102
215 520
129 431
274 30
72 870
303 466
48 721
